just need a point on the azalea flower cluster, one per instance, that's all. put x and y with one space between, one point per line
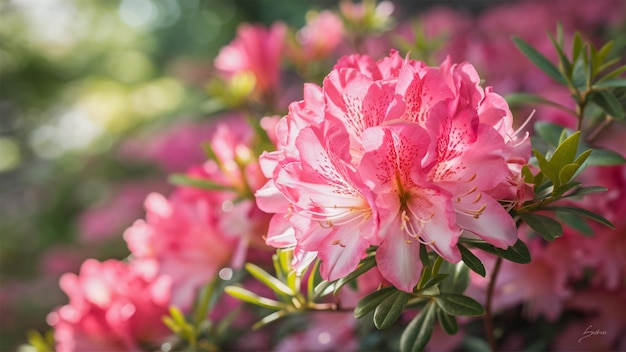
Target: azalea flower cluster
384 156
393 154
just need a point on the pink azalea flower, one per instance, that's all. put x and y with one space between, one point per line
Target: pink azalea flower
113 306
396 154
256 50
322 33
195 232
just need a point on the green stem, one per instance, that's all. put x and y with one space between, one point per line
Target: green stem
488 317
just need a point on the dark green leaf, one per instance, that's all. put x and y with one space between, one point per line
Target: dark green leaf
371 301
587 190
184 180
538 59
548 228
435 280
583 212
364 266
417 334
457 304
517 99
472 261
610 83
564 62
575 222
559 191
424 255
517 253
609 103
613 74
577 47
390 309
605 157
458 280
549 132
447 322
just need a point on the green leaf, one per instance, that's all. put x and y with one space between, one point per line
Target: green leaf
538 59
546 167
549 132
610 83
583 157
613 74
390 309
251 297
268 319
517 99
548 228
458 304
517 253
266 278
609 103
371 301
447 322
185 180
605 157
575 222
435 280
587 190
565 153
424 255
577 47
327 287
472 261
591 215
564 62
458 278
417 334
567 173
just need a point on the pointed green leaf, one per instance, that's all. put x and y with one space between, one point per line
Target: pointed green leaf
613 74
517 253
251 297
447 322
575 222
564 63
609 103
549 132
565 153
435 280
605 157
390 309
458 304
588 190
471 261
185 180
371 301
270 281
424 256
268 319
458 278
583 157
527 174
591 215
548 228
610 83
538 59
517 99
567 172
417 334
546 167
577 47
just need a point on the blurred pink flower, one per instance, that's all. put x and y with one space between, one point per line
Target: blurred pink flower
392 153
113 306
257 50
320 36
196 232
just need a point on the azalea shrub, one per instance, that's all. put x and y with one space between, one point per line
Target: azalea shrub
377 182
